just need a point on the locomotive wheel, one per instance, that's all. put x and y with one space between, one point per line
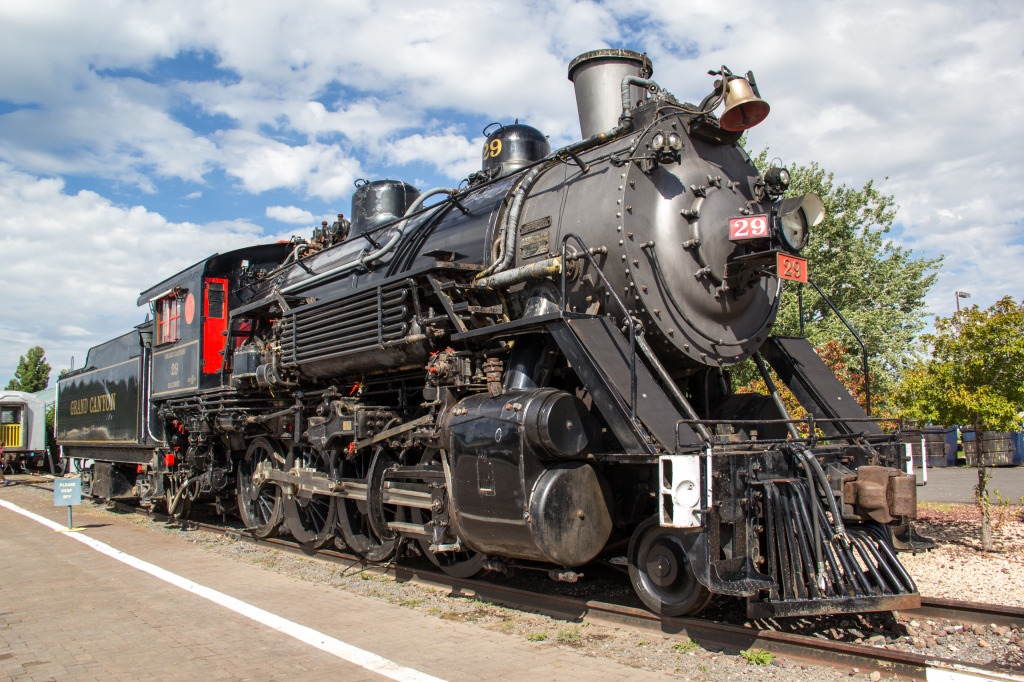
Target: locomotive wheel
661 573
464 564
259 503
363 523
310 520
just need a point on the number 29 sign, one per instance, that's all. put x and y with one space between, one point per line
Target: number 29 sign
754 227
791 267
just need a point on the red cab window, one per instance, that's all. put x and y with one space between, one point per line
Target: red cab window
168 317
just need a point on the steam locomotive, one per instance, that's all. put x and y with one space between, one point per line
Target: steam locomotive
530 370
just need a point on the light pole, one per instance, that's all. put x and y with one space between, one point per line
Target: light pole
959 295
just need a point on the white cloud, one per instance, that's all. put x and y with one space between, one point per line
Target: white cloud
290 214
74 264
263 164
452 155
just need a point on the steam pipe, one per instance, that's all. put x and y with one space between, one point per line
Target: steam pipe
400 228
366 258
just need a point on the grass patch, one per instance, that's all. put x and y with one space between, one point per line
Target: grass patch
373 577
757 656
411 602
685 647
570 635
537 636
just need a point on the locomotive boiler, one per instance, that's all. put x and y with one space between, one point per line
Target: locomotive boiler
530 370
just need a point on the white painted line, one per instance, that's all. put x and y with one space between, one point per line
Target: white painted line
943 672
336 647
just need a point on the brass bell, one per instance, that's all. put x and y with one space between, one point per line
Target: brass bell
743 109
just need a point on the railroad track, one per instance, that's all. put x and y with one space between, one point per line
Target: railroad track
711 635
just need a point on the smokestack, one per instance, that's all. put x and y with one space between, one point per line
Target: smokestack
597 77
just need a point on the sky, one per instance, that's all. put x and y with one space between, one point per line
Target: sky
136 138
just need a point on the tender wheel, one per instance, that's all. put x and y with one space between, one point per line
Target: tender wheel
259 502
363 523
310 520
660 572
464 564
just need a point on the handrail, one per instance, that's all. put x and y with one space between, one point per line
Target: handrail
863 348
611 290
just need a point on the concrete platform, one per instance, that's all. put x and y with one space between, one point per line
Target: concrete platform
69 612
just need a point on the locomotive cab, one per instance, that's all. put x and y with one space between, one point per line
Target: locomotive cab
191 312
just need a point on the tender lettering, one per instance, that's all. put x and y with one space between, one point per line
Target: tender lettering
93 404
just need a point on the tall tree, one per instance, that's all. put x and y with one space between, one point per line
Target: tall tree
32 374
975 375
877 285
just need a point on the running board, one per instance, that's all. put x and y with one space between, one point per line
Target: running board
603 364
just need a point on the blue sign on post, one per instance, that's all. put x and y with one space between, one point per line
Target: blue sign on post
67 492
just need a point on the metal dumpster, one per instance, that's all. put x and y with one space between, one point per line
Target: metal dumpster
993 448
939 445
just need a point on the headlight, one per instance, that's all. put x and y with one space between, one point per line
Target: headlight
794 230
795 218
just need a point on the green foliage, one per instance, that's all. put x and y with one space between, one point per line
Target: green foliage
757 656
975 374
685 647
569 635
51 422
878 286
537 636
32 374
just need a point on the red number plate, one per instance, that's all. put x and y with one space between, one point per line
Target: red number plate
791 267
752 227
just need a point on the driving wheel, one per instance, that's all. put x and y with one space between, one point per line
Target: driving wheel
462 564
259 500
309 518
362 522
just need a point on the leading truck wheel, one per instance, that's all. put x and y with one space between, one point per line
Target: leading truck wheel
660 572
259 501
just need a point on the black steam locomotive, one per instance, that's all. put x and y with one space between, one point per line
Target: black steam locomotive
528 371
